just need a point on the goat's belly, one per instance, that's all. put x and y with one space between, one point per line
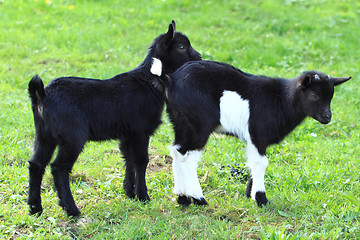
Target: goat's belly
234 115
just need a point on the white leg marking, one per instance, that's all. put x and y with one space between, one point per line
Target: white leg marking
257 165
234 119
185 175
234 115
156 67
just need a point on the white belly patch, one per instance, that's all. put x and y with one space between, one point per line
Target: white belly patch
234 115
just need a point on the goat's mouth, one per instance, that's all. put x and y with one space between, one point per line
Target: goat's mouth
323 119
198 58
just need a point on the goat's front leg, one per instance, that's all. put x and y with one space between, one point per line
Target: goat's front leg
187 184
141 161
135 152
140 181
257 164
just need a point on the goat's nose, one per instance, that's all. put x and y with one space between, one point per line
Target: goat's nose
327 116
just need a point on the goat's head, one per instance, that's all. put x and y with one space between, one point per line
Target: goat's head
316 91
173 49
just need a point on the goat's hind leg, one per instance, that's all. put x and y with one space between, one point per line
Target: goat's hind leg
42 155
191 136
60 170
129 181
186 180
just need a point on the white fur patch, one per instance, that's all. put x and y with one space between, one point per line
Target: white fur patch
185 175
317 77
257 165
234 115
156 67
234 119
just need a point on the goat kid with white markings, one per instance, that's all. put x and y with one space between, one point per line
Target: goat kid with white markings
71 111
208 96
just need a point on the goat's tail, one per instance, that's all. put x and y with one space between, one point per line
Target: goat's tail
36 90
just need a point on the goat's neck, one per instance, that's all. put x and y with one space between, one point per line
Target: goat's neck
143 72
291 107
145 65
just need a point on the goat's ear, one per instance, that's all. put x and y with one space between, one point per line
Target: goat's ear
168 37
304 81
338 81
173 24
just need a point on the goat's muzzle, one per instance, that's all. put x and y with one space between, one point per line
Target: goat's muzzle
325 118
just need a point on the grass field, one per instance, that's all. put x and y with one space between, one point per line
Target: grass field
313 178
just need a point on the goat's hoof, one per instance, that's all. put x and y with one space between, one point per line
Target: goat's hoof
184 200
144 199
200 201
130 194
73 213
35 209
261 199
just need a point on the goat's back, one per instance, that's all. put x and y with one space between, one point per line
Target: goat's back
101 109
213 78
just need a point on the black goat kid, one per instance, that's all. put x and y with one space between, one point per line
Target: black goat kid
208 96
71 111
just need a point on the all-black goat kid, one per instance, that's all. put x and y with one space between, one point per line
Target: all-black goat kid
71 111
207 96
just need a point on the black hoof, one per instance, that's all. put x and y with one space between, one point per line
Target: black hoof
34 209
200 201
74 215
72 212
144 199
184 200
130 194
261 199
129 190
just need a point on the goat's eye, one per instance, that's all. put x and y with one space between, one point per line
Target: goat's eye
181 47
314 96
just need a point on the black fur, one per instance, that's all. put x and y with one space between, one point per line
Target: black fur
261 199
248 188
276 105
184 200
71 111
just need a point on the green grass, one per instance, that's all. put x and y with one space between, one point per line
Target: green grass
313 175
